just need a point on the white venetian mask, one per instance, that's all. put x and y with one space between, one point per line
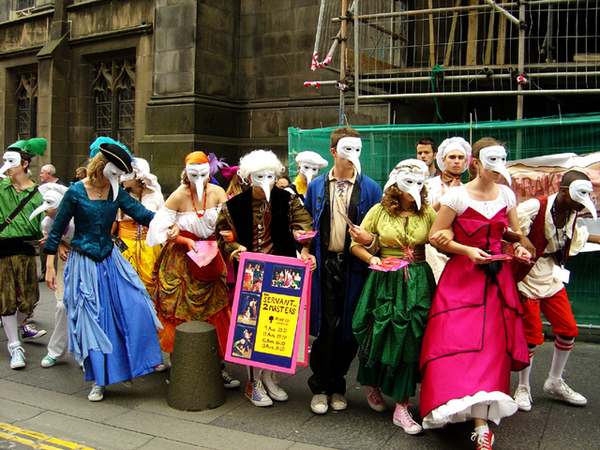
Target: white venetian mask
350 148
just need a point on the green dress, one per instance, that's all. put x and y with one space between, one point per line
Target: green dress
389 321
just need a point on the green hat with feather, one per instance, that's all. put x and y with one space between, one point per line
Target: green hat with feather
32 147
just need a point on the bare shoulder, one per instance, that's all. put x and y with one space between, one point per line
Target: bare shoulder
217 193
177 199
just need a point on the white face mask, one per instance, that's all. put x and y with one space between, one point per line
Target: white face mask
494 158
409 179
198 174
580 191
11 160
310 171
350 148
52 200
264 179
113 173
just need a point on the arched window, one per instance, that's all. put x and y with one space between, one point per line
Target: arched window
114 93
26 95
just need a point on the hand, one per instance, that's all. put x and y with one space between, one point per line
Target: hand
173 233
526 243
455 182
442 237
374 261
522 252
42 241
51 277
237 252
228 235
63 251
189 243
360 235
477 255
308 257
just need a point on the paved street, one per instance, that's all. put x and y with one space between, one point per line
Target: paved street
52 403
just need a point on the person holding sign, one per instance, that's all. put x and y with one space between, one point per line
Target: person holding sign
182 290
550 223
474 335
390 317
263 220
337 200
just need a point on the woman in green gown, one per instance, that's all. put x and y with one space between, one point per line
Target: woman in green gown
390 318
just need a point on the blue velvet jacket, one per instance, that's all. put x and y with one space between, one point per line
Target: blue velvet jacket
365 194
93 220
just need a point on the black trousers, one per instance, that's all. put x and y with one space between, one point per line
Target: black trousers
331 356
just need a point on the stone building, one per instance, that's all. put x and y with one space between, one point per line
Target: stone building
170 76
163 76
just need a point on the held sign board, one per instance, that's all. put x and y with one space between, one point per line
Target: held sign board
268 312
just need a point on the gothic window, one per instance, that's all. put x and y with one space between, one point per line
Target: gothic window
114 93
24 4
26 95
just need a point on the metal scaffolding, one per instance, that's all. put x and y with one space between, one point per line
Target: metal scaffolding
389 49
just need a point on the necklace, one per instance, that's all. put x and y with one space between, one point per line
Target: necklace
98 192
201 213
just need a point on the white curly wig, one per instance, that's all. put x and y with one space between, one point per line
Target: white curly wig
258 160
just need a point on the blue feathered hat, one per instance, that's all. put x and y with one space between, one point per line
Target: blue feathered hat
95 147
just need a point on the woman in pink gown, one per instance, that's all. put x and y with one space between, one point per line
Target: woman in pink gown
474 335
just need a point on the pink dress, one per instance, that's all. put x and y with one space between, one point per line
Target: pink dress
474 335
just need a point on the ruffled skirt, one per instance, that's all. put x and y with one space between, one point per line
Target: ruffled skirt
112 322
389 324
180 297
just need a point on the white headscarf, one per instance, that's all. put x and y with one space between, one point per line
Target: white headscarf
453 143
409 175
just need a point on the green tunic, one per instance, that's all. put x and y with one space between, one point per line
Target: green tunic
389 322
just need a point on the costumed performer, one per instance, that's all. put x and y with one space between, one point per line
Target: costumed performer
389 321
112 322
551 225
53 193
19 293
181 290
309 164
143 186
263 220
333 199
474 334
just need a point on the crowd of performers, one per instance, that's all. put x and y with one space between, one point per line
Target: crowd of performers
124 280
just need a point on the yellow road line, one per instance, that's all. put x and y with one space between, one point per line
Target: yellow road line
34 439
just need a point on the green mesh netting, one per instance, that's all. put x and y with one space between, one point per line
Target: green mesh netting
385 145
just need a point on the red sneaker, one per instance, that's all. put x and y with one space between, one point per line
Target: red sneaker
484 441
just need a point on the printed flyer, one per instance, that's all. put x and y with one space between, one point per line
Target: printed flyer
268 318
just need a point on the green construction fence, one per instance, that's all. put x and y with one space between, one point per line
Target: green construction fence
385 145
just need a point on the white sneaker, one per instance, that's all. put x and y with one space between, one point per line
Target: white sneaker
97 393
269 380
338 402
318 404
523 397
557 388
255 392
17 356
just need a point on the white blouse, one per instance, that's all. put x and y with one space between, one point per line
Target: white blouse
457 198
203 227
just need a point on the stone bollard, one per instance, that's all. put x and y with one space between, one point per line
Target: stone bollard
195 383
